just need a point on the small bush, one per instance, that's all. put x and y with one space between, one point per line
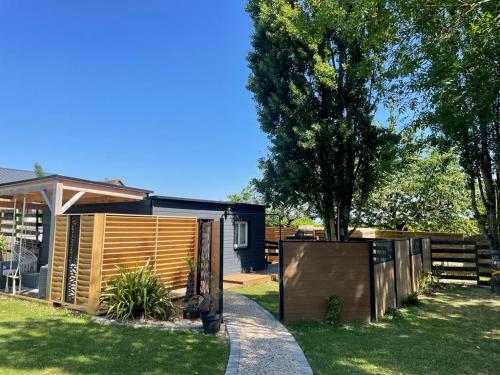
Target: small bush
437 272
333 311
138 294
425 282
189 262
392 313
3 245
412 299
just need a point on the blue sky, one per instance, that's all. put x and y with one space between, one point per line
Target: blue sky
153 92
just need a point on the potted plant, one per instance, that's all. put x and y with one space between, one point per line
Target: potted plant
210 318
189 262
191 310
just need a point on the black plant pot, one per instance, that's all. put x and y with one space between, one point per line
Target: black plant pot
211 322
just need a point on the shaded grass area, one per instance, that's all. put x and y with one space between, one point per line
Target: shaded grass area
457 331
37 339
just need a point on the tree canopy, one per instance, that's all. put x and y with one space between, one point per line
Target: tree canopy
447 56
276 213
38 169
426 193
317 68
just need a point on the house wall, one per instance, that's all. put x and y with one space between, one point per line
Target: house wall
250 258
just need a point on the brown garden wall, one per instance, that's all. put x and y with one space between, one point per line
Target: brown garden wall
385 294
403 275
313 271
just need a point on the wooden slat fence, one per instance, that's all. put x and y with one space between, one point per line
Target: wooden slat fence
107 242
456 259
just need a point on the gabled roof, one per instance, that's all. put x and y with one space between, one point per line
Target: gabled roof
10 175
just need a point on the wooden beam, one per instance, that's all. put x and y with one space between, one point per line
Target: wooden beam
104 190
96 264
26 188
46 198
71 201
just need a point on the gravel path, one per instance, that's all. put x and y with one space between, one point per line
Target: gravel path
259 343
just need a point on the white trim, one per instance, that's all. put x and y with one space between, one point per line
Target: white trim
237 224
71 201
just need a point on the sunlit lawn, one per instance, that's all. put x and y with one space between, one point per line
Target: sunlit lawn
37 339
455 332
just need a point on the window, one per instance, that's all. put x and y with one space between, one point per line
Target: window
240 234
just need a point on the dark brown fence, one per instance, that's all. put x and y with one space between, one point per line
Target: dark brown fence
384 277
314 271
367 277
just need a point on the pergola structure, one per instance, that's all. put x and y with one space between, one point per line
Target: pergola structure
58 193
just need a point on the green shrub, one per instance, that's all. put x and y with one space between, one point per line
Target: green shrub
437 272
392 313
412 299
425 282
138 294
189 262
333 311
3 245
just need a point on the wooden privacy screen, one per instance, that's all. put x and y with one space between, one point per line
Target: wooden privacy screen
403 270
107 242
426 255
314 271
368 278
385 293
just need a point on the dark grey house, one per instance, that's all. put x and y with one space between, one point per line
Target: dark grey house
244 224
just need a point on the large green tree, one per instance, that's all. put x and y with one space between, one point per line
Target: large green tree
448 56
277 213
317 68
428 192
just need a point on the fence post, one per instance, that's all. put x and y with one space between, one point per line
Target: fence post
395 273
373 314
477 265
281 290
96 263
410 254
221 266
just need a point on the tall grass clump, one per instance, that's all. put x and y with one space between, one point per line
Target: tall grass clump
135 294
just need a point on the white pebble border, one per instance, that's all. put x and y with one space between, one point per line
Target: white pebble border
167 325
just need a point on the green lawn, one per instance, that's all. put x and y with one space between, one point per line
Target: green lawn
37 339
455 332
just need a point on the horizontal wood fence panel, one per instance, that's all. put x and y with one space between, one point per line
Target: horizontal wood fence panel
109 242
314 271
